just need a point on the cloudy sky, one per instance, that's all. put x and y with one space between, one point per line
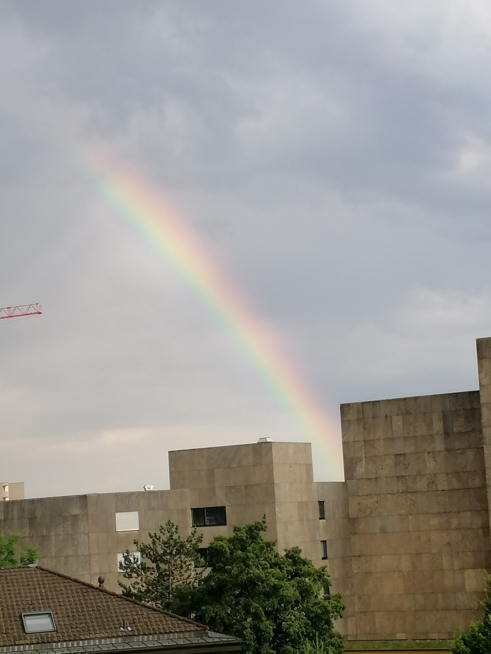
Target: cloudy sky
332 158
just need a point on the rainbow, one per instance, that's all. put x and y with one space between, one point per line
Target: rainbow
143 208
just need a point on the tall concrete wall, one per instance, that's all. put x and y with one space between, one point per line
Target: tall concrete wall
418 514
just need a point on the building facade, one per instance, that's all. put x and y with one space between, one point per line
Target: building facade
406 536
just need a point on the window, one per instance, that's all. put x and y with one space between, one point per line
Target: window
127 521
39 622
136 557
322 510
324 549
203 555
209 516
6 488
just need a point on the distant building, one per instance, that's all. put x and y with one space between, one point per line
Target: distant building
44 611
406 536
11 490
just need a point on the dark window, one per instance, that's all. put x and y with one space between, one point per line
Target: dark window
215 515
203 555
198 516
323 549
322 510
39 622
209 516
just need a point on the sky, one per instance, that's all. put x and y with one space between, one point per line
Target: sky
328 161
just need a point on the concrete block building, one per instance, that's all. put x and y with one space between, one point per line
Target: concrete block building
406 536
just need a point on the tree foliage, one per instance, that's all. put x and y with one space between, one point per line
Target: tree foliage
478 639
166 563
276 603
10 555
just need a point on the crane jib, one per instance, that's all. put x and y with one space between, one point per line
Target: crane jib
20 310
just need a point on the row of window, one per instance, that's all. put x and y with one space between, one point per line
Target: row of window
210 516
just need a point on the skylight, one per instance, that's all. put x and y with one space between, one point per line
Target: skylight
39 622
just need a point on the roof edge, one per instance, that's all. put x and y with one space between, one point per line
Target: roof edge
137 643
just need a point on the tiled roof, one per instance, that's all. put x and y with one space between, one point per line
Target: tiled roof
81 612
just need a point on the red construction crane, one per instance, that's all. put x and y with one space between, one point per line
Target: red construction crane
22 310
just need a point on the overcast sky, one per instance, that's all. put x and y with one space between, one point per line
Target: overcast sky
334 158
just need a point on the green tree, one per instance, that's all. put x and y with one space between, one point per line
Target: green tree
276 603
478 639
165 563
10 555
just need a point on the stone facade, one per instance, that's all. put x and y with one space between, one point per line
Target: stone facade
418 515
406 536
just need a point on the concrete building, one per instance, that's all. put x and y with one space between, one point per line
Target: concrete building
406 536
11 490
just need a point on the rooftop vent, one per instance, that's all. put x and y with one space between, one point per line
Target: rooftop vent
264 439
